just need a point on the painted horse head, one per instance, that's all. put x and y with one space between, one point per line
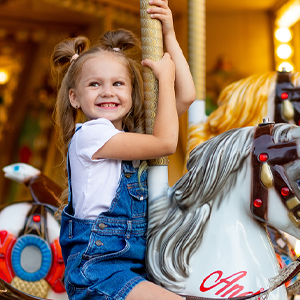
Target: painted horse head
273 95
208 237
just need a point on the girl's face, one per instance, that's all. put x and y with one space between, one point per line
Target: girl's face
103 89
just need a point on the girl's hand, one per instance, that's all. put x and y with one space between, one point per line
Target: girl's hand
164 68
161 11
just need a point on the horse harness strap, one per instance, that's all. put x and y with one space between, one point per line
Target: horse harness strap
268 160
287 99
257 295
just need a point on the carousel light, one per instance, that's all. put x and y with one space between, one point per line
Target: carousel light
4 77
284 51
283 35
288 14
285 66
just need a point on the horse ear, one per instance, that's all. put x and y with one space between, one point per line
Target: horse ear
296 133
266 176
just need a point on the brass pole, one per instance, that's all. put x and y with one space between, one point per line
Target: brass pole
197 45
152 48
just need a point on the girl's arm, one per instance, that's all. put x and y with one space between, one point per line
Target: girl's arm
184 85
163 142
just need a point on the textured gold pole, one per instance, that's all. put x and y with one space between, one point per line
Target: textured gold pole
197 45
152 48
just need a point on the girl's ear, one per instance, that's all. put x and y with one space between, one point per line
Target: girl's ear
73 99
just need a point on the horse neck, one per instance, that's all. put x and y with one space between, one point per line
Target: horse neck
234 242
231 221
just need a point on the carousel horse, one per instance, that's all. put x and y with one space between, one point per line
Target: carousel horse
207 235
30 255
246 102
275 95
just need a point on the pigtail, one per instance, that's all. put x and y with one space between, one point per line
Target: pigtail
64 71
62 56
125 43
125 40
65 63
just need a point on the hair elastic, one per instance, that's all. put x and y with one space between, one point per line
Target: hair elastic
74 57
116 49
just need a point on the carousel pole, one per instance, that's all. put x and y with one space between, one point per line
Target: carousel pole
152 48
197 58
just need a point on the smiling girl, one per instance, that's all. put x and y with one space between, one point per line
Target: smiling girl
103 229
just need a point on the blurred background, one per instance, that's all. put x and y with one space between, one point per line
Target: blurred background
240 41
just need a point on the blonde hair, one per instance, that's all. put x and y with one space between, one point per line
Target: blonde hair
126 48
242 103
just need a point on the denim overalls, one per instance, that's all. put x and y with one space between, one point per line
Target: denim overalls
105 257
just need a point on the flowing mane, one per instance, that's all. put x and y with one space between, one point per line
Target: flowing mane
177 221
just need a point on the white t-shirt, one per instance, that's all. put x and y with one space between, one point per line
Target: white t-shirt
94 182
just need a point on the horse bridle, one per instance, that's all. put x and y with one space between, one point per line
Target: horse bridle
268 160
287 99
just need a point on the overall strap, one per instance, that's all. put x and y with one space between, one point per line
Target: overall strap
69 168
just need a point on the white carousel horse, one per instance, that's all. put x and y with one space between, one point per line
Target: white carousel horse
30 255
207 235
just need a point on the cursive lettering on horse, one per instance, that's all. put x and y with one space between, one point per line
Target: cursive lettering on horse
228 286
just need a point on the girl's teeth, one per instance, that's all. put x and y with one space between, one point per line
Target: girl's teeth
108 105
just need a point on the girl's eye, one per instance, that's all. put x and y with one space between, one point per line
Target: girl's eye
118 83
94 84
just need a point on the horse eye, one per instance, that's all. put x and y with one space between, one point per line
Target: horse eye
298 183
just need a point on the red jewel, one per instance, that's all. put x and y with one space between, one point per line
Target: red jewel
36 218
257 202
285 191
263 157
293 252
284 96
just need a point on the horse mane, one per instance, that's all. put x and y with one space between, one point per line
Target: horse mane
242 103
177 221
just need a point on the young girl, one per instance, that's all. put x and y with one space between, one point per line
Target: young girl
103 230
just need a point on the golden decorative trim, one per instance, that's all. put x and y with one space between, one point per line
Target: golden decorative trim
163 161
294 220
38 288
266 176
288 110
292 203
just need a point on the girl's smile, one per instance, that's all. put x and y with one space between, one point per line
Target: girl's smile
107 105
103 89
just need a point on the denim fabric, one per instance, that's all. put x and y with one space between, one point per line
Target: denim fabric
105 258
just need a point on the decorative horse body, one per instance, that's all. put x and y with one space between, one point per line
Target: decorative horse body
207 237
